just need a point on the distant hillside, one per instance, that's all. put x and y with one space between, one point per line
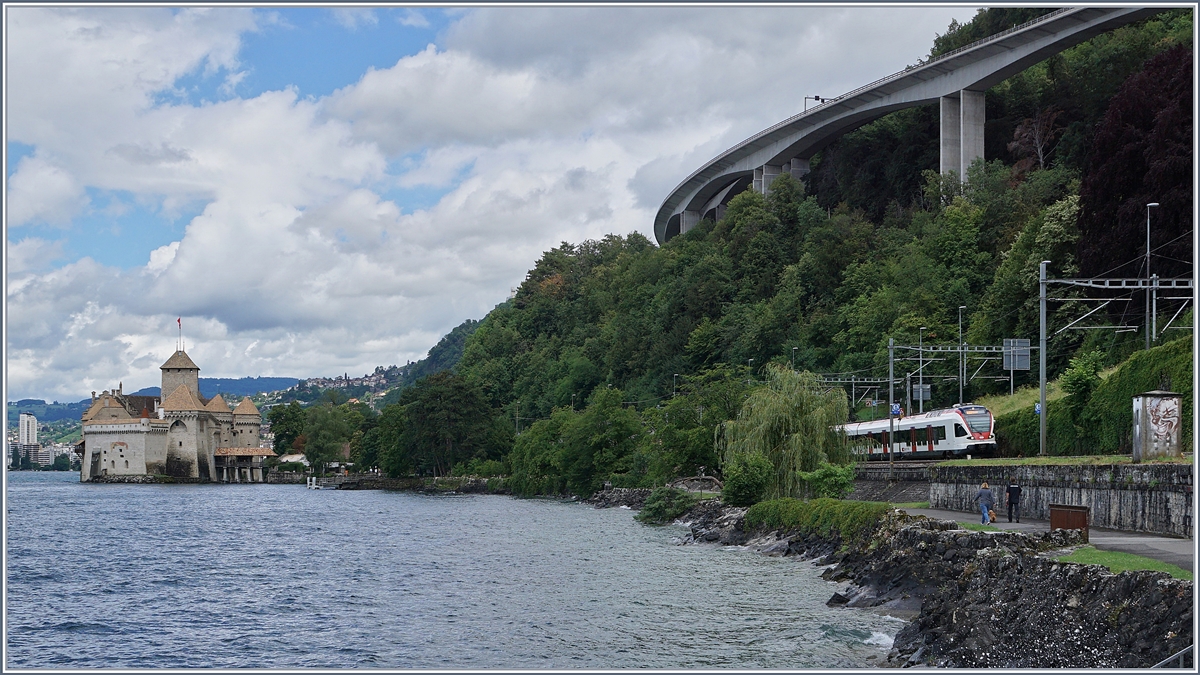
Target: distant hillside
46 412
442 356
228 386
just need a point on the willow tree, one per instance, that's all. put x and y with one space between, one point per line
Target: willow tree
792 421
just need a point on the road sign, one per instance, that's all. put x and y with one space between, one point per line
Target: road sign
1016 354
1037 408
895 408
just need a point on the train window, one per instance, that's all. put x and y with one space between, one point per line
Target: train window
939 434
980 421
959 431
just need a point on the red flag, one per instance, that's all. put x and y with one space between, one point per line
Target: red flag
180 322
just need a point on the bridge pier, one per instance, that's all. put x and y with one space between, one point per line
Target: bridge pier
962 124
766 174
714 208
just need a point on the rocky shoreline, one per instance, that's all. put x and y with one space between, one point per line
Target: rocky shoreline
977 599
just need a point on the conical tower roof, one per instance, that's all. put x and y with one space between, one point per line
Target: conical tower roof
181 399
217 404
180 360
246 407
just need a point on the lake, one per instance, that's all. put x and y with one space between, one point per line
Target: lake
278 576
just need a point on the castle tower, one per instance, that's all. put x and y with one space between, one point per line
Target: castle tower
180 370
246 423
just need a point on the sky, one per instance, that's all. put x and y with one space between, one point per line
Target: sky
314 191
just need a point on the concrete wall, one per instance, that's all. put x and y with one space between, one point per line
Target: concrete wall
1153 498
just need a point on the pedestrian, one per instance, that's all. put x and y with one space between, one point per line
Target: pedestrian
985 500
1013 496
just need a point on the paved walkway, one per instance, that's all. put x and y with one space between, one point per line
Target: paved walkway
1181 552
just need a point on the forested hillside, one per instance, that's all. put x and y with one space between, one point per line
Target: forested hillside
619 360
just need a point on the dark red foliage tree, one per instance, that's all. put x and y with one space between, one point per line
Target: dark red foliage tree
1142 154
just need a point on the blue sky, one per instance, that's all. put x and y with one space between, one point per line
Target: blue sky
320 190
317 52
311 49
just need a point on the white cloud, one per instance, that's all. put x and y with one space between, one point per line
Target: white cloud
41 192
162 257
31 254
413 18
541 124
353 17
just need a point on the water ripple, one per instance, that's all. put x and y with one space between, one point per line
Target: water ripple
276 576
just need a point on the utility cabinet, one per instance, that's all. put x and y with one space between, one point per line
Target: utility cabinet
1157 425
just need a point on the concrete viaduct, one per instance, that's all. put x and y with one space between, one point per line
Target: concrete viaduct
957 80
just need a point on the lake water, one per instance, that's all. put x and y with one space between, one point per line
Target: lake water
277 576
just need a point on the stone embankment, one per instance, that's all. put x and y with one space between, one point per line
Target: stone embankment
145 479
634 498
983 599
879 482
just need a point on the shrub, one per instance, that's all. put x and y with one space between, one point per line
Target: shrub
291 466
747 477
828 481
852 521
1105 420
1109 412
664 505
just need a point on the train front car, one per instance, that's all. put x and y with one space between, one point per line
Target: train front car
958 432
980 428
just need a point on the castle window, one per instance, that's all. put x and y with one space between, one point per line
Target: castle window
126 464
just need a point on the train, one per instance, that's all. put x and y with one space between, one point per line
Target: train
949 433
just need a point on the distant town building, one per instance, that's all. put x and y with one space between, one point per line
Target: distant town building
27 443
183 435
27 429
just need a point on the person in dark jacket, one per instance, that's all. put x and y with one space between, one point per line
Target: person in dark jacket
1013 496
985 500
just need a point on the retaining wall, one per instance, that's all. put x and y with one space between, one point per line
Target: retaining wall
1155 498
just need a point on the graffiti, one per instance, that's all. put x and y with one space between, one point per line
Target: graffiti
1164 419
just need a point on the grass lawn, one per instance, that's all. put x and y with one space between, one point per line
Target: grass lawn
1024 397
1120 562
1062 461
979 527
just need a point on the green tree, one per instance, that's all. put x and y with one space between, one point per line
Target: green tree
748 478
287 422
61 463
326 431
539 456
447 421
383 446
792 422
1081 378
599 442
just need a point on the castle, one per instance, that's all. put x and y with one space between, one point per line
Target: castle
183 435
